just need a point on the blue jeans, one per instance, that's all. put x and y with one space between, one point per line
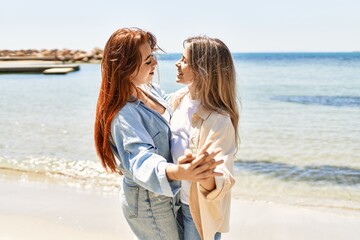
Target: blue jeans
149 215
189 229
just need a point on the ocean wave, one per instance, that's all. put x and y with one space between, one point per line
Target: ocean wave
337 101
313 175
77 173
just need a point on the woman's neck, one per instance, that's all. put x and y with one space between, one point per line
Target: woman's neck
193 95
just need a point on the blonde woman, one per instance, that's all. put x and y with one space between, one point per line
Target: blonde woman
206 111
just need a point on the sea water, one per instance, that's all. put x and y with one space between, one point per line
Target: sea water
299 127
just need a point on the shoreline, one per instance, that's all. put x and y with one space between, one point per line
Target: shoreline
49 210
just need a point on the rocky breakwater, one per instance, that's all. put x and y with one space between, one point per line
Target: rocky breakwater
63 55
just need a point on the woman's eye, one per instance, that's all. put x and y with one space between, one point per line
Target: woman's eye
149 62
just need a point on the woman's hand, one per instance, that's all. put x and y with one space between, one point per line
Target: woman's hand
193 168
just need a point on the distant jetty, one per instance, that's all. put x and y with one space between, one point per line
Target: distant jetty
45 68
45 61
61 55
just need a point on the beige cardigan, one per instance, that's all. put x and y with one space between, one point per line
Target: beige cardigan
211 210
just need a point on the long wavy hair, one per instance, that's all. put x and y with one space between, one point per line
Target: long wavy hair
215 76
121 59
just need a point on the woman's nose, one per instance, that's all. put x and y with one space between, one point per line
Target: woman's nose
154 62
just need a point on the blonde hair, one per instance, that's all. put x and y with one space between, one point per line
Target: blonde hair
215 76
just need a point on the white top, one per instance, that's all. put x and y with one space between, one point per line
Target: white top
180 128
166 115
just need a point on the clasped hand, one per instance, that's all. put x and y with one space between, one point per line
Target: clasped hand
196 167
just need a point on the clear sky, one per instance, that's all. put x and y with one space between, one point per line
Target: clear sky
244 25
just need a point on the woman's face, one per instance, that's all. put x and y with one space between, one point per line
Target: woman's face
185 74
147 67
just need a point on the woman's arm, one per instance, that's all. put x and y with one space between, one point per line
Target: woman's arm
221 133
138 153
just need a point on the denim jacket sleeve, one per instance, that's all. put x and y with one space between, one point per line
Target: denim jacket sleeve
138 151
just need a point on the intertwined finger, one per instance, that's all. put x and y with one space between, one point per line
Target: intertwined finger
188 157
205 147
206 157
207 174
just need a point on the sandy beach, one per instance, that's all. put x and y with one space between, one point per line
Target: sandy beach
33 209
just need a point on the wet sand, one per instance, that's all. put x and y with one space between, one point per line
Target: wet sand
35 209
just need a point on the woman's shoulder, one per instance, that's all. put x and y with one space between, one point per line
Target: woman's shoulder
128 111
181 91
176 97
220 117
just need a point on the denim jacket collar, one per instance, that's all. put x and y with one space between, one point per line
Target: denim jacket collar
154 94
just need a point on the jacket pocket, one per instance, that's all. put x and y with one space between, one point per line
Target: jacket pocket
158 138
130 200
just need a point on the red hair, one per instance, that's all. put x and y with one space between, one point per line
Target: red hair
121 59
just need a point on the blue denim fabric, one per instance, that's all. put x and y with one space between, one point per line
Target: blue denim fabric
189 229
140 140
149 215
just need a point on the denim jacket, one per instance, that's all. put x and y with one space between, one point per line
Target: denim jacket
141 142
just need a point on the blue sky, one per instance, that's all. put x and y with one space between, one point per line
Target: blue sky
244 25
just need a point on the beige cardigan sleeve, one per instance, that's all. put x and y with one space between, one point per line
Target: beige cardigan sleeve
219 129
211 209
